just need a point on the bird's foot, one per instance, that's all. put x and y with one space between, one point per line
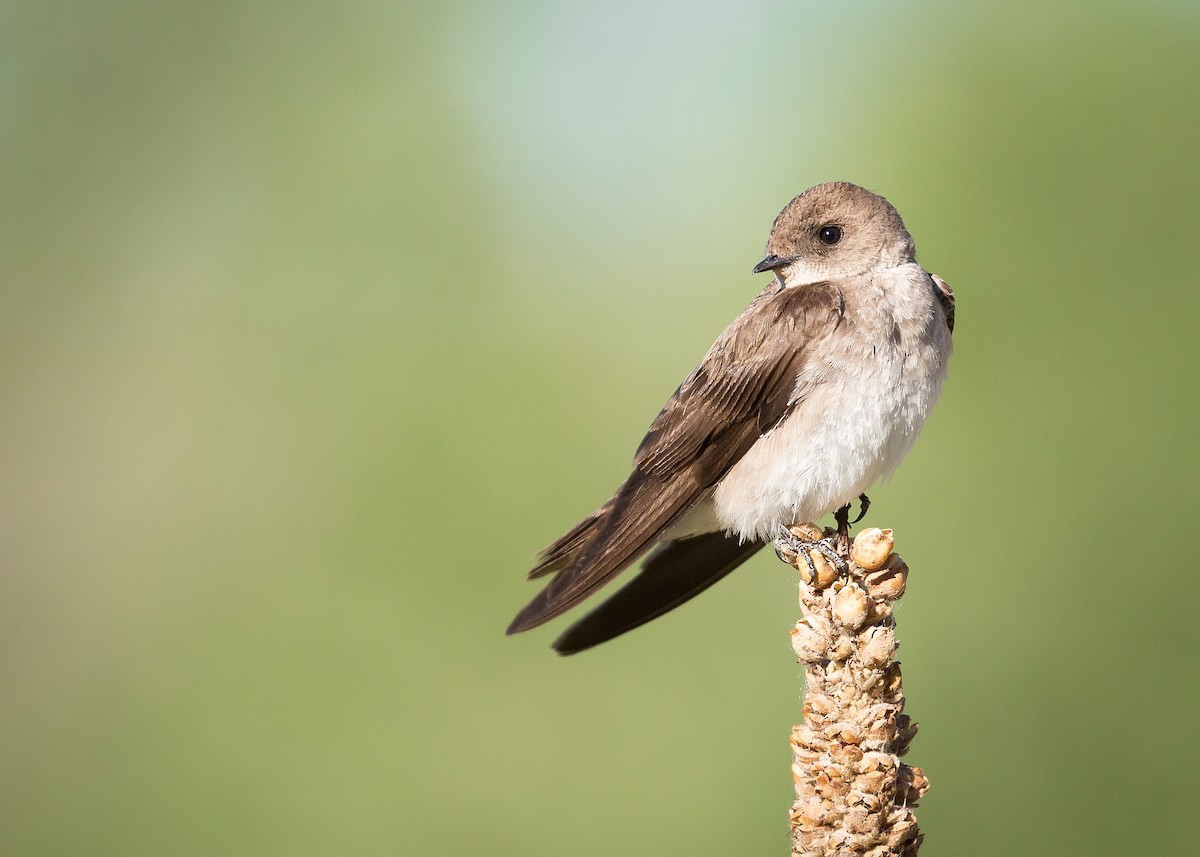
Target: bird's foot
810 549
842 517
864 504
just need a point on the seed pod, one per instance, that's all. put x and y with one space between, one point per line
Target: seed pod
871 548
878 648
911 784
850 606
808 532
876 760
843 648
826 573
906 730
850 733
901 832
888 583
810 643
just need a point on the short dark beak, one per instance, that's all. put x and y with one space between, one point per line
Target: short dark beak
772 262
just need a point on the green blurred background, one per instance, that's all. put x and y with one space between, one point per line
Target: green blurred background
319 319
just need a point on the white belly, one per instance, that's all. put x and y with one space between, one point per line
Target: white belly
853 428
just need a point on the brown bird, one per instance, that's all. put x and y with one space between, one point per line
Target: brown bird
814 393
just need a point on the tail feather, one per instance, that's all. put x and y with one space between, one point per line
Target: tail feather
630 525
568 548
674 573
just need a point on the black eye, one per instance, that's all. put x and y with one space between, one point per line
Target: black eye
830 235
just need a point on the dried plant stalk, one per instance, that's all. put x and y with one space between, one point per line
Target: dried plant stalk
853 794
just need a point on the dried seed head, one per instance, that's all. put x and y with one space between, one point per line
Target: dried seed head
810 532
811 643
872 782
826 573
902 831
805 736
852 790
875 760
847 753
819 703
889 582
878 647
843 647
893 685
850 733
871 548
882 728
911 784
861 820
906 730
850 606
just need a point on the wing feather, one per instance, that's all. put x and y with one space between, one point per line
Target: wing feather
744 386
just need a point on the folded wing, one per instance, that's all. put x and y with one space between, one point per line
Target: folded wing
744 386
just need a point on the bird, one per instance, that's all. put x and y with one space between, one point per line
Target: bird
814 393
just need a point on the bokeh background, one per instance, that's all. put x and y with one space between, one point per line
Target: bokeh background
318 319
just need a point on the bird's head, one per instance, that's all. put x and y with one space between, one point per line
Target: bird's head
832 231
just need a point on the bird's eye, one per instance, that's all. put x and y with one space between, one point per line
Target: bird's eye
830 235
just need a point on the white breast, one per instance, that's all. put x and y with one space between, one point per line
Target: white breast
863 404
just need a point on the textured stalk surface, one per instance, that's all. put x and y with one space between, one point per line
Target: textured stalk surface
853 794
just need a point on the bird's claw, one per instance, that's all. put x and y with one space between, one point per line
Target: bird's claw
842 517
865 502
789 547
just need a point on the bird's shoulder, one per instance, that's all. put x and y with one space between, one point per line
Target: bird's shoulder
744 384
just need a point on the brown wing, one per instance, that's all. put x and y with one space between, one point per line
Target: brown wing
743 387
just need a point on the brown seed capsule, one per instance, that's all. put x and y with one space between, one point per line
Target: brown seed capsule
876 760
830 783
850 606
806 575
871 782
845 731
889 582
810 532
891 687
861 821
810 643
911 784
805 736
864 800
826 573
819 703
878 648
840 842
880 610
882 728
902 831
848 754
871 548
843 647
906 730
809 814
